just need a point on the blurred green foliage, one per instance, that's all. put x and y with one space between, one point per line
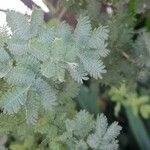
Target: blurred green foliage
127 81
138 104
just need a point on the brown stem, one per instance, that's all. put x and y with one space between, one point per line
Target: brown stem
29 3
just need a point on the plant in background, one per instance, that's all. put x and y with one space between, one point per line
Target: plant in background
135 106
138 104
42 66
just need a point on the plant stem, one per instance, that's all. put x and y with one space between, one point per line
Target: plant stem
3 10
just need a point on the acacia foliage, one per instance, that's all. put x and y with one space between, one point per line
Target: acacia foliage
43 66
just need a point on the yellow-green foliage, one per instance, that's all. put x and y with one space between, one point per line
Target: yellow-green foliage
139 104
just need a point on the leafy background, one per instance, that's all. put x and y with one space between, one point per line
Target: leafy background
124 92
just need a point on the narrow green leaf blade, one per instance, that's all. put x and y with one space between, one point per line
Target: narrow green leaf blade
138 129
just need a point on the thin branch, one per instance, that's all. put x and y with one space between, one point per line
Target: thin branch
128 57
3 10
62 13
29 3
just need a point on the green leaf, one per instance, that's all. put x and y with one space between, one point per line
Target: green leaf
5 67
148 23
20 75
3 35
17 46
29 61
145 111
5 63
12 101
97 40
32 107
101 125
92 65
64 31
138 129
47 95
82 31
39 50
18 23
133 6
70 90
37 20
48 69
52 69
3 55
104 137
87 98
81 125
77 73
81 145
47 35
